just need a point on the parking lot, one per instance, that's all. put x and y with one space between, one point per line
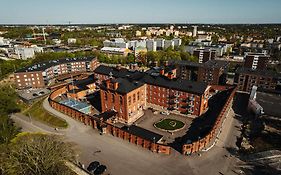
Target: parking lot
149 118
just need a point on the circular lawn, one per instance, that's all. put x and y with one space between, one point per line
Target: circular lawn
169 124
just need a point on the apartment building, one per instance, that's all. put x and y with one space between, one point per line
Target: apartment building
256 61
204 55
164 90
212 72
125 97
38 75
246 78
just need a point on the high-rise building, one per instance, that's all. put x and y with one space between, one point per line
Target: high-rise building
256 61
204 55
194 34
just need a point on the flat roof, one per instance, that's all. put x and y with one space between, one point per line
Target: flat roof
47 64
143 133
78 105
264 73
270 102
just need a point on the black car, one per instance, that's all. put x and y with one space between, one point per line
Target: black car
93 166
100 170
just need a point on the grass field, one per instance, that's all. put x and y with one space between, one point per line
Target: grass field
169 124
37 112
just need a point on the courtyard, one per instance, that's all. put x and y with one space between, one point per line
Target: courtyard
173 125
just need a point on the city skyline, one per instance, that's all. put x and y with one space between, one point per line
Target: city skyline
109 12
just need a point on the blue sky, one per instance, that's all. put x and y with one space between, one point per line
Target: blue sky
141 11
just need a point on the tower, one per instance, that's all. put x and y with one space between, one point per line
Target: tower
194 34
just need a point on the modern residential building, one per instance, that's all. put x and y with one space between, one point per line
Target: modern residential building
246 78
26 52
151 45
204 55
256 61
177 42
212 72
117 42
115 51
38 75
160 43
169 43
194 34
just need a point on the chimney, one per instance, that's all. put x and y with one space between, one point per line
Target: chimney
115 85
171 75
118 66
107 83
162 71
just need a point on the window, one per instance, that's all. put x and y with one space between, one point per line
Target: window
113 99
121 100
105 96
138 96
134 98
129 100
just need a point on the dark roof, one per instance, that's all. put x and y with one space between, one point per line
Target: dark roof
82 84
155 79
270 102
120 73
125 85
47 64
216 64
143 133
265 73
177 84
106 115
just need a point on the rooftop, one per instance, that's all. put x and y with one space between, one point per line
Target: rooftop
154 79
143 133
125 85
265 73
80 106
270 102
47 64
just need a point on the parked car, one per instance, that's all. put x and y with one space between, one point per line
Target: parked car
164 113
93 166
100 170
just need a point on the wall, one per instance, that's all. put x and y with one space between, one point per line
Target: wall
96 123
209 138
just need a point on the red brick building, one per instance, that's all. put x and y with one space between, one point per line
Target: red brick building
204 55
38 75
246 78
163 92
125 97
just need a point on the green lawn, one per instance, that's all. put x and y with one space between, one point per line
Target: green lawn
169 124
37 112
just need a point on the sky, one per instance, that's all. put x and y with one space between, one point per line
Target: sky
141 11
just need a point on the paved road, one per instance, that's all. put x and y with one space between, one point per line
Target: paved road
122 157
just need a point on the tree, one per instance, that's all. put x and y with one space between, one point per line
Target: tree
36 154
7 129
